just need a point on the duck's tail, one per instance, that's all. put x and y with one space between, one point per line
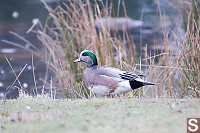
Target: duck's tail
137 84
148 83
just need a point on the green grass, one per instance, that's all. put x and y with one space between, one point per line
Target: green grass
32 115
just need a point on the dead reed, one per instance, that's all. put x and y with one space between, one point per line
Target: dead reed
69 29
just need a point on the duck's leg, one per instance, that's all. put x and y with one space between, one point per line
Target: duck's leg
109 96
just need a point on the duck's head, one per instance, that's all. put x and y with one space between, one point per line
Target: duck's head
87 57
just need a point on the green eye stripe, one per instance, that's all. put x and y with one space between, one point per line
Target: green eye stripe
92 56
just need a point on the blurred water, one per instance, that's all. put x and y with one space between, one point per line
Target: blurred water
18 16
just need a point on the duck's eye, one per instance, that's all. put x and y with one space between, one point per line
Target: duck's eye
84 54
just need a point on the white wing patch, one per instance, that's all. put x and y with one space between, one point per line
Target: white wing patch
124 86
114 78
125 83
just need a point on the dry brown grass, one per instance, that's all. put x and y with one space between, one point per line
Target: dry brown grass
67 33
190 57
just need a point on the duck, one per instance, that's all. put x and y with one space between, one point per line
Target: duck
108 80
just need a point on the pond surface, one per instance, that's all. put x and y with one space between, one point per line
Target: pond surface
18 16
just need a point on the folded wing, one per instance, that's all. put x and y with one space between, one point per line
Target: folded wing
117 74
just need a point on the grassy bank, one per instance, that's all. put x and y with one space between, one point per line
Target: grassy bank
32 115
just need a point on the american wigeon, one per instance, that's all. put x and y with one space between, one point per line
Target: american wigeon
107 80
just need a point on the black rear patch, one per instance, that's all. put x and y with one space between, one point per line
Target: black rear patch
135 84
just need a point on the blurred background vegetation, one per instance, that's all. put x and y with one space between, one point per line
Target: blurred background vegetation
41 39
